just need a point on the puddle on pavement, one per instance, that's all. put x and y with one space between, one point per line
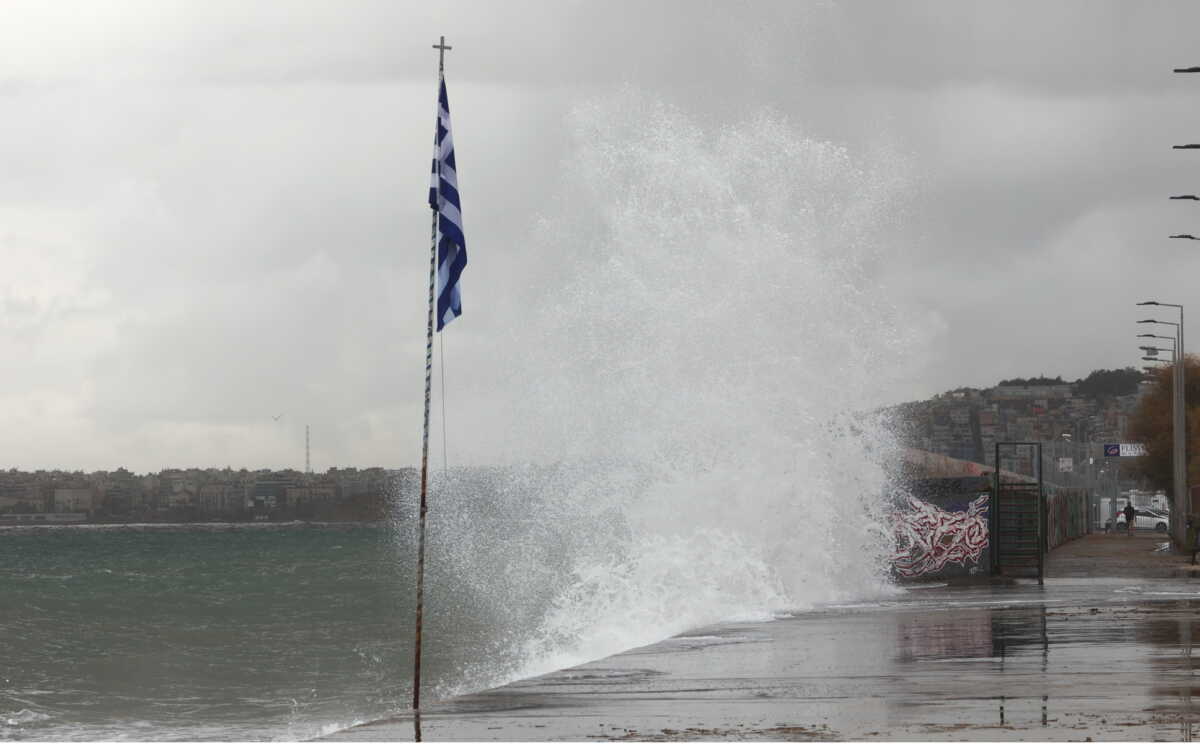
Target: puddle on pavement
1114 670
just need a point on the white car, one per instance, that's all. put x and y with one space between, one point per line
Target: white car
1146 519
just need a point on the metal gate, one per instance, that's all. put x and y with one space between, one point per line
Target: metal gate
1019 520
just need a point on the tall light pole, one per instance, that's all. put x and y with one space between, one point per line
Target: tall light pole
1181 499
1181 379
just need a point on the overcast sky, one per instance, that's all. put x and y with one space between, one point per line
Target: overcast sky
212 214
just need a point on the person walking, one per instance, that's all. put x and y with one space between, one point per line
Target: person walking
1130 517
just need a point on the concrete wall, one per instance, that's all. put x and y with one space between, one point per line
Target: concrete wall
932 465
941 529
922 464
1066 514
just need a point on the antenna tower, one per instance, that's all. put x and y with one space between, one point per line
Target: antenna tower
307 459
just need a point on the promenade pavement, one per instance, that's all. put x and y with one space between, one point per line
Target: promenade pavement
1117 554
1103 652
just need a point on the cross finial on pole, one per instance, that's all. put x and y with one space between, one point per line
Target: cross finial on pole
442 49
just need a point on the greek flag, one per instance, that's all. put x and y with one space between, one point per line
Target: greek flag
443 199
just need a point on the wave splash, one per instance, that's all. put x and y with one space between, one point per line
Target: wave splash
698 371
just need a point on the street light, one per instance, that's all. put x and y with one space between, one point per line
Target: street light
1179 457
1182 502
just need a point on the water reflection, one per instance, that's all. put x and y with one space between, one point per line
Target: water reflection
962 635
1174 630
1019 630
1114 664
1185 635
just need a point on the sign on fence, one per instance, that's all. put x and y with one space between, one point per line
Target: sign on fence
1124 450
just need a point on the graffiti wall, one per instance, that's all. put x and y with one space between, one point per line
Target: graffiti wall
941 529
1066 515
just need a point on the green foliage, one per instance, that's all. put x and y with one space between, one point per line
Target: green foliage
1108 383
1042 380
1101 383
1150 424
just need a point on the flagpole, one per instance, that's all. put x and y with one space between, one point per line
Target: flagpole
416 704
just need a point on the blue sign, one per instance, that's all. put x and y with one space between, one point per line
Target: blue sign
1112 450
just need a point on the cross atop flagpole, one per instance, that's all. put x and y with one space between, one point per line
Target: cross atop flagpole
442 49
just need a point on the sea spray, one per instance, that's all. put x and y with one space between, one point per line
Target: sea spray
694 383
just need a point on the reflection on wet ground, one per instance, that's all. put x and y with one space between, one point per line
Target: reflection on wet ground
1077 658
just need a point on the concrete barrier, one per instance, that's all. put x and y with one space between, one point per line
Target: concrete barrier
921 464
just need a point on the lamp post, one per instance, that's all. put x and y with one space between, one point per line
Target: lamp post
1152 353
1181 372
1181 501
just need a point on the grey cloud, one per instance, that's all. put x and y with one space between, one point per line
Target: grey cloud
214 212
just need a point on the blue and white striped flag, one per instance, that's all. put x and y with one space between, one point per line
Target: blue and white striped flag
443 198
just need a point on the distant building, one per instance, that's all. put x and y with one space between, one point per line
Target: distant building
315 495
221 498
177 489
74 500
24 498
270 490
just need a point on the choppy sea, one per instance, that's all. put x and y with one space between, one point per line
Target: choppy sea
279 632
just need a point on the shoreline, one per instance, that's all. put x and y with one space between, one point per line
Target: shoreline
983 661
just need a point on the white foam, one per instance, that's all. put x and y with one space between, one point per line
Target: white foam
710 340
23 717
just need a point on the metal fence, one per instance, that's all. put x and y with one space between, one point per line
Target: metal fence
1078 465
1067 512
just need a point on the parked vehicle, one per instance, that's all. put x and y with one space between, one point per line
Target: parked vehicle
1147 519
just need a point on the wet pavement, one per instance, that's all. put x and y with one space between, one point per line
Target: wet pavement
1076 659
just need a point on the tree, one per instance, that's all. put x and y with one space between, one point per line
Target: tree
1150 424
1109 383
1039 380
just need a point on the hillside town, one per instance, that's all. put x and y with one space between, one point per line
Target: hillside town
966 423
198 495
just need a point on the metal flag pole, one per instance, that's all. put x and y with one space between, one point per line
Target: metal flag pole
416 704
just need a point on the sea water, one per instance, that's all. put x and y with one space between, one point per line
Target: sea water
687 401
230 633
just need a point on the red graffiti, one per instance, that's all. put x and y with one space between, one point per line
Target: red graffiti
929 538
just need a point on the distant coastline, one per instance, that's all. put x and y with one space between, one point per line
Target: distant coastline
198 496
7 528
